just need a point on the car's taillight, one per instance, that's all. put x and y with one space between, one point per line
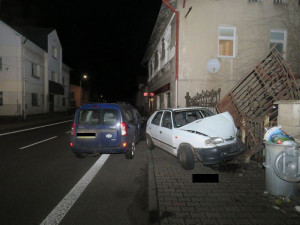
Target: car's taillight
73 129
124 130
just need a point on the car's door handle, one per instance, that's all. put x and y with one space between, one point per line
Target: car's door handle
160 132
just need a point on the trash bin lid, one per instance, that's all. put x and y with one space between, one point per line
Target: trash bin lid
287 165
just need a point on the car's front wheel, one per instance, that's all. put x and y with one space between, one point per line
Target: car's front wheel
130 152
149 142
186 156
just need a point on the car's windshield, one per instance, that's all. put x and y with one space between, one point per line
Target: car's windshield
184 117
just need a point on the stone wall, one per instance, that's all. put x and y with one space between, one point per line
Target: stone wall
289 117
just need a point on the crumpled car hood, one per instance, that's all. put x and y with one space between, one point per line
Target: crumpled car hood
220 125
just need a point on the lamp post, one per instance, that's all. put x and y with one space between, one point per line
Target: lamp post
84 77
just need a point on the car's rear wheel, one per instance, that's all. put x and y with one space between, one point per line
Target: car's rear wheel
130 152
149 142
79 155
186 156
96 154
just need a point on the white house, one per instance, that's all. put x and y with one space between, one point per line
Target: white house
33 78
211 44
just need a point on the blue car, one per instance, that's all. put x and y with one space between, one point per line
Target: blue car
106 128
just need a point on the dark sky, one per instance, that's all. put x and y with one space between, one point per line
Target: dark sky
106 39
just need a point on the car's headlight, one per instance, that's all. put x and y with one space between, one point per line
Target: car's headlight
217 140
214 141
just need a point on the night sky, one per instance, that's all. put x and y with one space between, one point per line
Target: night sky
106 39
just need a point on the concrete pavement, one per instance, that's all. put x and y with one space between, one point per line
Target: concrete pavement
238 198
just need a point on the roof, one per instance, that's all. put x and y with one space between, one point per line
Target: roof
96 105
37 35
161 24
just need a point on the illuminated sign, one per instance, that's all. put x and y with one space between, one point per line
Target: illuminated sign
146 94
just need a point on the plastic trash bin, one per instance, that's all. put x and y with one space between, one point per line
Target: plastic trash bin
282 169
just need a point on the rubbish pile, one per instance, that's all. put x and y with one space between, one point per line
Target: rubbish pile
276 135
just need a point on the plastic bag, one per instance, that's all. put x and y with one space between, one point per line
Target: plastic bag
277 136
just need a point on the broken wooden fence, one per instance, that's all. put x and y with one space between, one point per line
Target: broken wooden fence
251 101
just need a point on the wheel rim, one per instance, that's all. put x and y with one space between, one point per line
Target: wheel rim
147 141
132 148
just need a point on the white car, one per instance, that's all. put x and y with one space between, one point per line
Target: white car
186 132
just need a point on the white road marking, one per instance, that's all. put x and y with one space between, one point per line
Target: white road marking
38 142
33 128
68 132
67 202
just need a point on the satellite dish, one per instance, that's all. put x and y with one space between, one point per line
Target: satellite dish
213 66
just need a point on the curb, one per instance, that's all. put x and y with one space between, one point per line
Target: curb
152 192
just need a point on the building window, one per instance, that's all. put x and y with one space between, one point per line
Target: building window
254 0
150 71
35 70
0 63
35 100
72 95
156 60
54 52
163 49
280 1
227 37
278 38
64 101
1 98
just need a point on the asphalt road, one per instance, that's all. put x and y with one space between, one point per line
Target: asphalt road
38 172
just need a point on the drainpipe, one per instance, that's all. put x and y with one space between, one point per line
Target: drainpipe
166 2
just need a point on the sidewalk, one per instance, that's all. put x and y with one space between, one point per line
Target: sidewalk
8 125
239 198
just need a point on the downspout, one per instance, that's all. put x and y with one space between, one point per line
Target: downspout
166 2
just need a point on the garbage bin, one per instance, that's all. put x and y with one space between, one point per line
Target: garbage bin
282 169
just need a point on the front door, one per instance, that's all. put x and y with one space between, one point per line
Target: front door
166 133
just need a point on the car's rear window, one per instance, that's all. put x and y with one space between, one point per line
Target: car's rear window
93 117
87 116
110 117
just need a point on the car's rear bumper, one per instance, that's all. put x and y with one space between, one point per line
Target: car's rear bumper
91 150
218 154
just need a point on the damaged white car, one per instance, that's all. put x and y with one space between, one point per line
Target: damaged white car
186 132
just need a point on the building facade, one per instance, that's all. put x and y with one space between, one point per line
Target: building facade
33 78
78 96
203 45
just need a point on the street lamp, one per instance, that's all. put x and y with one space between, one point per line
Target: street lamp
84 77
